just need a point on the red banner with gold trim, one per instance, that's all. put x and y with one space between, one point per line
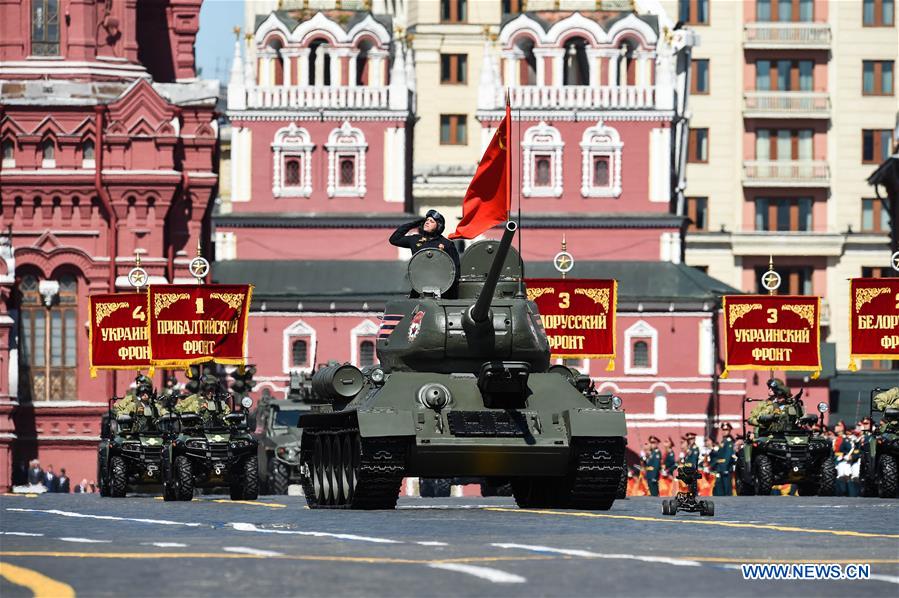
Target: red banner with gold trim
118 332
778 332
191 324
578 315
873 319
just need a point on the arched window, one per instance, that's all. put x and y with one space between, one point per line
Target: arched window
48 154
346 161
542 172
48 358
274 53
319 63
601 167
527 62
87 154
291 172
640 355
627 64
44 27
8 150
366 353
576 70
299 354
362 75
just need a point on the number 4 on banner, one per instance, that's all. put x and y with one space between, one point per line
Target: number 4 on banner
138 313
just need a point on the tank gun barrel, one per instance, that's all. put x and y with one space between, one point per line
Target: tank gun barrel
481 309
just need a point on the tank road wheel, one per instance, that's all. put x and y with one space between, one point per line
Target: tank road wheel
184 478
316 471
350 466
338 488
886 476
327 471
118 477
764 475
278 477
827 478
743 488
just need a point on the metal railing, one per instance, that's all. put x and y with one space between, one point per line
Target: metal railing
578 96
318 97
773 104
777 173
786 35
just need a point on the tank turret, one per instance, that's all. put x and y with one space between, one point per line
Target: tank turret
489 319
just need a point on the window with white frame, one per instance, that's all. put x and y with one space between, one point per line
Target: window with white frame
292 159
601 153
298 347
641 349
362 339
9 153
346 162
542 171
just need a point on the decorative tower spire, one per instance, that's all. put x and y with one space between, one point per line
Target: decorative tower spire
398 89
237 92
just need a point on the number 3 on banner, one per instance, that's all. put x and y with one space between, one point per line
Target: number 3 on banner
772 316
565 300
199 305
138 313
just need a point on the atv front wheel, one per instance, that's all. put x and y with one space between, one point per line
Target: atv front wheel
184 478
118 477
744 488
246 480
828 478
763 474
278 478
886 476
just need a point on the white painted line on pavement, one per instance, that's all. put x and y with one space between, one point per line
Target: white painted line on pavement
253 551
249 527
494 575
599 555
426 543
86 541
888 578
104 517
164 544
21 534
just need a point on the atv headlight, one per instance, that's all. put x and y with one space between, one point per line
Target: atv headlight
196 444
377 375
616 402
240 443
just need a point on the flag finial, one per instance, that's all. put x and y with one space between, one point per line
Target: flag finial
507 98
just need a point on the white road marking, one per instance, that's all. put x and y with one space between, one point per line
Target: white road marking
249 527
21 534
104 517
86 541
888 578
494 575
599 555
253 551
164 544
426 543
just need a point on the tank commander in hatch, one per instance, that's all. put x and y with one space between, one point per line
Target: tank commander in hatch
426 233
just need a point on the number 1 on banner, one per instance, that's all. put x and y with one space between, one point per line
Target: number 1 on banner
199 305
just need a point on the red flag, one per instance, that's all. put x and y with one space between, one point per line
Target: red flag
489 195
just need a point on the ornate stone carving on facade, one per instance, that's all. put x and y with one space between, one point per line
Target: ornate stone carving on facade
542 150
346 145
292 162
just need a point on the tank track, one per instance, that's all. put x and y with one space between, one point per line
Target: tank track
596 466
379 465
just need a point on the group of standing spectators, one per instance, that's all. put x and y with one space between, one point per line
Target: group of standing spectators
34 478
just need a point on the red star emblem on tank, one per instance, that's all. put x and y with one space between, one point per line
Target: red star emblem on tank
415 324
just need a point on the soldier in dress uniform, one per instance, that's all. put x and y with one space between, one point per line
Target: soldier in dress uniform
652 465
691 451
723 463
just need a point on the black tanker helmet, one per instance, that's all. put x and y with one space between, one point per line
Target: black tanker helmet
209 382
143 385
439 219
778 387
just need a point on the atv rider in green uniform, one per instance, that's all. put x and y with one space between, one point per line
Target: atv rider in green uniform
776 405
888 399
140 404
203 402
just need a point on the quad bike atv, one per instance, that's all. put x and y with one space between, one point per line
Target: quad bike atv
130 450
786 451
879 463
211 452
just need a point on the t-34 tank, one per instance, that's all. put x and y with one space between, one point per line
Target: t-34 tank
463 389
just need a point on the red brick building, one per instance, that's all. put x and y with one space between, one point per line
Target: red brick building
109 147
